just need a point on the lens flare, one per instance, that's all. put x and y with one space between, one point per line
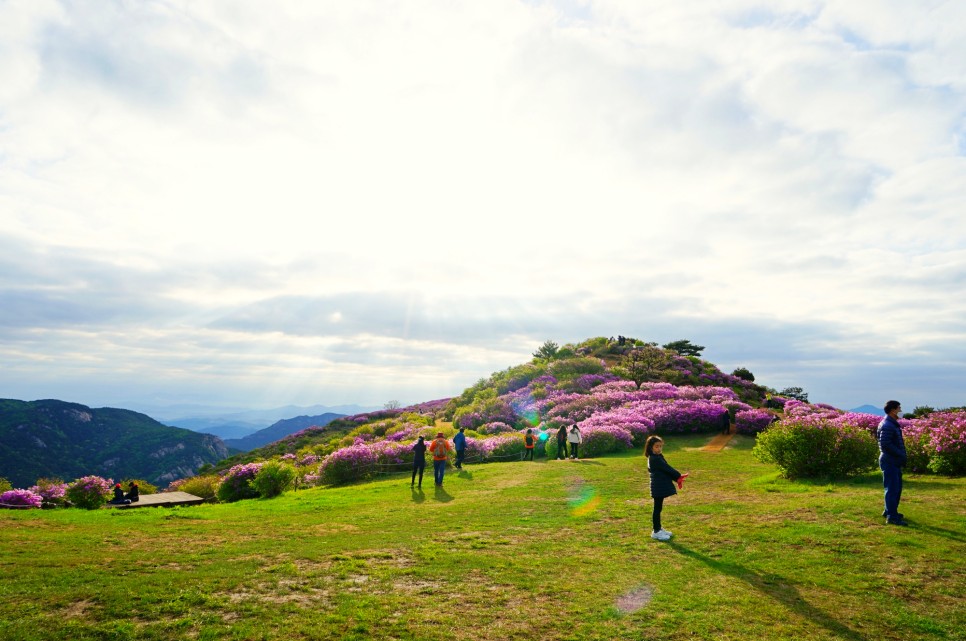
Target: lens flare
585 501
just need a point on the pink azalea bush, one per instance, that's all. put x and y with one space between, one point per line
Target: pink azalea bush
52 491
946 441
20 498
89 492
752 421
236 484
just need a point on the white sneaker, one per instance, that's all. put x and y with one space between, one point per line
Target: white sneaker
660 536
663 531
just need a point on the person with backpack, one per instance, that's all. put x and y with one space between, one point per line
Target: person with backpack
663 477
574 439
459 442
419 461
440 447
529 440
562 443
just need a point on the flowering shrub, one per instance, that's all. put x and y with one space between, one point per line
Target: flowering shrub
89 492
52 491
495 428
273 478
604 439
20 498
813 446
347 464
946 443
236 484
752 421
631 419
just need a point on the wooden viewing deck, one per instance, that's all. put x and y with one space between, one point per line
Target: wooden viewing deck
162 499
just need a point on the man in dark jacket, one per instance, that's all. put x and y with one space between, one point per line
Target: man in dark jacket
459 442
892 457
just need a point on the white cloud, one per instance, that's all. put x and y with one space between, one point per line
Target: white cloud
427 177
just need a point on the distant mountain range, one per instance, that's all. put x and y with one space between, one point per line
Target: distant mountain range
232 424
51 438
868 409
280 429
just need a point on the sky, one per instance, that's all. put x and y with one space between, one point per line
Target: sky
253 204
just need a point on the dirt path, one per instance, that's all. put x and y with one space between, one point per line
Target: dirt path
719 442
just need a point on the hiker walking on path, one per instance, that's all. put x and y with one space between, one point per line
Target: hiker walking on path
439 448
459 442
726 422
573 437
529 440
419 461
562 443
663 477
892 458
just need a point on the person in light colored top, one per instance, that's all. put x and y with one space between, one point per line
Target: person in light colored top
574 438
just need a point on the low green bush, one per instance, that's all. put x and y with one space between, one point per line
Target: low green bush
273 479
205 486
813 447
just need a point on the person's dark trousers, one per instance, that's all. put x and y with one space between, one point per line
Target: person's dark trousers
439 468
561 449
573 449
460 454
418 467
528 454
656 515
892 481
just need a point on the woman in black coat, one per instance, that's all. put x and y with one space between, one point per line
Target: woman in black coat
663 478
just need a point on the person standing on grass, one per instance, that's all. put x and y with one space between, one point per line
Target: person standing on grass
892 458
419 461
439 448
562 443
663 477
459 442
529 440
573 437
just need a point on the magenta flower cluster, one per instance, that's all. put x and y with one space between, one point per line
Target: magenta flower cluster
20 498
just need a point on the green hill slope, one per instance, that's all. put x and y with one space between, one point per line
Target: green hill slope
547 550
67 440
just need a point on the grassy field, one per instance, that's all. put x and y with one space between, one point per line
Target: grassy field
542 550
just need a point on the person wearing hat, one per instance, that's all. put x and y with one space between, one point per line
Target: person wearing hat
440 447
459 442
119 495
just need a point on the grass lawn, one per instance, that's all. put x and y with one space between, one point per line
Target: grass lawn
542 550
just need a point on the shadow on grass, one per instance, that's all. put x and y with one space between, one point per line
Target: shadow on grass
939 531
463 474
441 495
418 496
775 587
